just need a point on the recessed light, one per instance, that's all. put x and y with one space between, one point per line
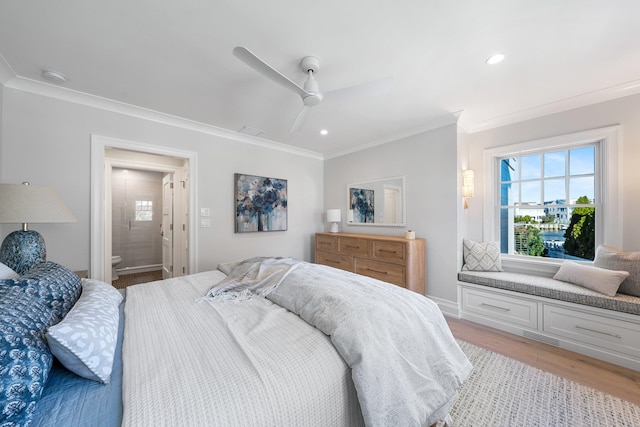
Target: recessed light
324 132
54 76
495 59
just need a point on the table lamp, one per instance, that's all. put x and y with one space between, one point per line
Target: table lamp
24 204
334 216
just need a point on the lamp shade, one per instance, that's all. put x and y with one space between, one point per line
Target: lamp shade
468 183
24 203
334 215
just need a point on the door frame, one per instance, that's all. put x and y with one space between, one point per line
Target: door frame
100 255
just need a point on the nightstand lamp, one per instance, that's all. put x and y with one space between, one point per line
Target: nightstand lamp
24 204
334 216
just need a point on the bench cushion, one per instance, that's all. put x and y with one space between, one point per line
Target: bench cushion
550 288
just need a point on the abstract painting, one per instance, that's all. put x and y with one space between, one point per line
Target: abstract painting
362 204
261 203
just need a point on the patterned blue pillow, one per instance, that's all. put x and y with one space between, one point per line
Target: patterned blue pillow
25 359
56 286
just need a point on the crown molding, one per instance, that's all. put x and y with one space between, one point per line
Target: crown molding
82 98
578 101
6 72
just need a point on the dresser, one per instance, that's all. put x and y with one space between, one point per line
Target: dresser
391 259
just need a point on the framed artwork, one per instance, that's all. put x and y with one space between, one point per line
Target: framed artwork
261 203
362 205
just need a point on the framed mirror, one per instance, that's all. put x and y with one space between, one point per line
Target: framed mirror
377 203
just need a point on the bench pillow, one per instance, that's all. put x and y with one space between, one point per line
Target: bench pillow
615 259
597 279
481 256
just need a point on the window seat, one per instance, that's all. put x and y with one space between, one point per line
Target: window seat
554 312
550 288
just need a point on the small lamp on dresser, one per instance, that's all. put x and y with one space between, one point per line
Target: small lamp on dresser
334 216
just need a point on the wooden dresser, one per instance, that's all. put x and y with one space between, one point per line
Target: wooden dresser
392 259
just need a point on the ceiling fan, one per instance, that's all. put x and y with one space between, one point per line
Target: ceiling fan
310 91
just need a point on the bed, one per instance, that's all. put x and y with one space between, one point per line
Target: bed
274 342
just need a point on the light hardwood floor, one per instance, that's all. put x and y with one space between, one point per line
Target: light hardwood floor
606 377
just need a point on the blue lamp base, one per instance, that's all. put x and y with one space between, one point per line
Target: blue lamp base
23 250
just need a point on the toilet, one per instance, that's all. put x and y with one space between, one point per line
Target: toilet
115 260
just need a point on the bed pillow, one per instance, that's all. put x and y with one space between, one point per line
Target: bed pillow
615 259
56 286
594 278
85 340
6 272
481 256
25 359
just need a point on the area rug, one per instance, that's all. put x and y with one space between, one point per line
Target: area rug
505 392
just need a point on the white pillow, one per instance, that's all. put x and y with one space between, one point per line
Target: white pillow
614 259
481 256
597 279
85 340
7 273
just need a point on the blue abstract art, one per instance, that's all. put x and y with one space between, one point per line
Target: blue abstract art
261 203
362 204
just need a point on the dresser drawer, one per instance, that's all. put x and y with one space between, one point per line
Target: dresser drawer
327 243
593 329
501 307
343 262
353 246
389 251
382 271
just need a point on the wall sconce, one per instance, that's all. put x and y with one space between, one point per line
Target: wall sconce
24 204
467 186
334 216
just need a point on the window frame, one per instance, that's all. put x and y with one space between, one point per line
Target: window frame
608 229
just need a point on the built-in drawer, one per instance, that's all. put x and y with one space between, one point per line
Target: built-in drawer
592 329
388 251
336 260
353 246
501 307
327 243
391 273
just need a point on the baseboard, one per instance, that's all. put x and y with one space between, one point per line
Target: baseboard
447 307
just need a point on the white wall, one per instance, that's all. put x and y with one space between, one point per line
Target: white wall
429 162
624 111
47 141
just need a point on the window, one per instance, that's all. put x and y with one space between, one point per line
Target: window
144 210
554 198
547 203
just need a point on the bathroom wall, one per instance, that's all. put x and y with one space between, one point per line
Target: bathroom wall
136 238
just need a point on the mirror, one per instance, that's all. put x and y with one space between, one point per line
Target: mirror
379 202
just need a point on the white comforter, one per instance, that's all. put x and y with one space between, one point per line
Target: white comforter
189 363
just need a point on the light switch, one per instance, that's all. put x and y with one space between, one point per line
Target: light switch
204 223
205 212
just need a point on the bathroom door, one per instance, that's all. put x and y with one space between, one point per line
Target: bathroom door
167 226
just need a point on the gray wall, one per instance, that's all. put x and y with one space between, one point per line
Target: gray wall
47 141
429 162
624 111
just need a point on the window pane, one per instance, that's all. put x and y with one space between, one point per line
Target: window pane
531 167
554 191
509 169
554 164
509 194
579 187
582 161
531 193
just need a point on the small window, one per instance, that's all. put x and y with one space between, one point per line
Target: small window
144 210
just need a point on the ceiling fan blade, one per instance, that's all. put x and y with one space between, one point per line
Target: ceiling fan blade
373 88
249 58
302 117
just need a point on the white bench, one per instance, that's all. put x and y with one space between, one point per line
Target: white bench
554 312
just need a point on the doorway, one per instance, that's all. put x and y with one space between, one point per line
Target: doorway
111 155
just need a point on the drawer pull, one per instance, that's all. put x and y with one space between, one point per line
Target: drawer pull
353 246
598 332
388 251
377 271
333 261
496 307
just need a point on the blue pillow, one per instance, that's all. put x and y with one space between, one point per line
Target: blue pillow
56 286
25 359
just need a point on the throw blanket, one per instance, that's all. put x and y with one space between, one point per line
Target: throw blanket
254 276
406 366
